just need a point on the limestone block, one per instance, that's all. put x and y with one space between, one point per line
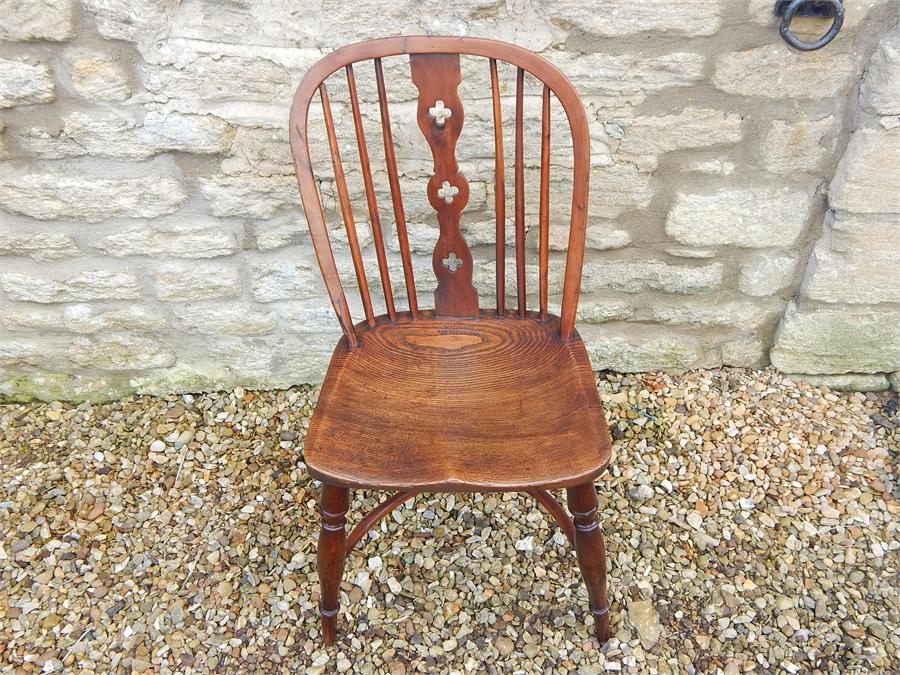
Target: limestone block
521 22
123 135
17 353
601 237
739 314
123 351
249 195
177 282
190 241
28 20
810 28
846 382
250 356
81 287
618 188
264 152
97 76
34 384
24 83
116 135
99 318
601 311
15 316
72 196
799 146
864 181
745 352
130 20
304 358
188 378
712 167
219 78
484 275
835 340
250 22
284 281
636 276
640 349
621 79
228 318
691 128
777 71
197 134
314 316
859 264
749 217
689 252
880 91
767 272
288 230
38 245
615 18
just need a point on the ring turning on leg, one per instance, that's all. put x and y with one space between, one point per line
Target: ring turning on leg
333 505
591 552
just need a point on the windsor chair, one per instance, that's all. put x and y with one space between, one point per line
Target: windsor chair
459 397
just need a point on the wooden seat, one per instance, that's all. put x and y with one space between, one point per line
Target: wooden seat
481 420
461 397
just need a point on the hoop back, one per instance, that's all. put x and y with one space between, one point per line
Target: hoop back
436 73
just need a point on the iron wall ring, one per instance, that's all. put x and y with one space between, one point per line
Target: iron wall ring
802 45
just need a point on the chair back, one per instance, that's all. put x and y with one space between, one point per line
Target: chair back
434 64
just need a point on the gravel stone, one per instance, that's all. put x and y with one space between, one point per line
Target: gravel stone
177 534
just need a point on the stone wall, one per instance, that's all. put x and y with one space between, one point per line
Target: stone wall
745 199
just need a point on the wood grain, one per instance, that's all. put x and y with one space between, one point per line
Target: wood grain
544 206
332 552
437 77
454 398
346 209
381 48
446 413
520 192
371 200
591 552
499 191
390 159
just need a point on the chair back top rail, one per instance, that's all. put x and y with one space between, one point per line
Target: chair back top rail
435 70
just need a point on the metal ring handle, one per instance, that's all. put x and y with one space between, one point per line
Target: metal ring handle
802 45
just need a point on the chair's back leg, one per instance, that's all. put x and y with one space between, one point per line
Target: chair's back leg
591 552
333 505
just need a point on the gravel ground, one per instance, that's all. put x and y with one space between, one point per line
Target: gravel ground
751 522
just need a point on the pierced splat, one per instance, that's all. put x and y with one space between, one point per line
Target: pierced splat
447 192
451 262
439 112
440 116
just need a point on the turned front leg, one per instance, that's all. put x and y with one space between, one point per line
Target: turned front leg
333 504
591 552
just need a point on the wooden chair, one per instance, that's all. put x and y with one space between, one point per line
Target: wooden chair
458 398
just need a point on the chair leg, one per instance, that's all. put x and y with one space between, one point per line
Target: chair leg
591 552
333 504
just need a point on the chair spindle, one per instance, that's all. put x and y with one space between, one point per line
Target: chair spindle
396 197
520 192
346 209
499 192
544 208
371 201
